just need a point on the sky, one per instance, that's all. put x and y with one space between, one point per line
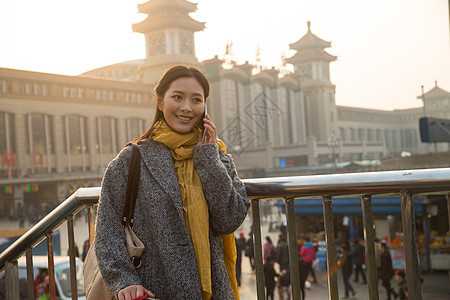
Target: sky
386 49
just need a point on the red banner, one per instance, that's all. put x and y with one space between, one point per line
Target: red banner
9 159
38 159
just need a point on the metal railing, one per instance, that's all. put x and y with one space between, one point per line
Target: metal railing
403 183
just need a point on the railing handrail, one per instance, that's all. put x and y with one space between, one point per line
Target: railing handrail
386 182
71 206
370 183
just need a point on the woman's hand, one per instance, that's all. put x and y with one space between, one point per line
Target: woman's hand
133 291
211 132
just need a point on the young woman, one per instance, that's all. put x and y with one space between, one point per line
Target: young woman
190 201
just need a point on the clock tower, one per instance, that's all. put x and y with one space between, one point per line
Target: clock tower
169 36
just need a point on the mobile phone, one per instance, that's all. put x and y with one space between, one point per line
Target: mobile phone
204 129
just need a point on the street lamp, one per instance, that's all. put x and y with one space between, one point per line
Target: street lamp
333 144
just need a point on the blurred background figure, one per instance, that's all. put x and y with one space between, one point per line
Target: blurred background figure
269 249
386 271
240 246
269 277
358 260
346 265
308 252
249 252
284 285
402 292
283 254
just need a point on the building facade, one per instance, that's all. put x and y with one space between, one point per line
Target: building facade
58 132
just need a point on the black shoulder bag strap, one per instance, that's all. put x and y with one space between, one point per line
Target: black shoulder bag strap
134 172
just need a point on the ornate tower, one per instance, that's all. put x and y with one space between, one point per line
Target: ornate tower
312 62
169 36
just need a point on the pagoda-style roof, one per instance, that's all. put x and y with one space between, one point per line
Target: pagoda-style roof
310 48
435 92
168 13
310 55
267 77
153 6
310 40
168 20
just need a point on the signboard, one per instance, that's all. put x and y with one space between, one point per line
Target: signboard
398 258
433 130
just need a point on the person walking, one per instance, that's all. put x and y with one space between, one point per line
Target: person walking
189 202
283 254
249 251
386 271
378 252
308 252
269 249
303 273
269 277
86 246
284 282
346 265
402 292
41 285
358 260
240 246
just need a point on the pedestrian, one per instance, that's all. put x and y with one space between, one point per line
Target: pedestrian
378 252
240 246
283 227
41 285
402 292
269 277
21 215
284 282
358 260
303 274
346 265
269 249
189 202
386 271
283 254
85 250
77 252
249 251
308 252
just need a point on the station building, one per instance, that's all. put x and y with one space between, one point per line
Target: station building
58 133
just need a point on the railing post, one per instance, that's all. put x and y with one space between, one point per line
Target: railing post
30 278
73 266
258 249
91 224
51 266
426 231
12 280
293 248
410 245
371 259
448 211
333 291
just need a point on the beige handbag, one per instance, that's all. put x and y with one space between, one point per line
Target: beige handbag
94 286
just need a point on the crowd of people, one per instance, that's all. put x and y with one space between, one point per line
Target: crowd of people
350 261
276 263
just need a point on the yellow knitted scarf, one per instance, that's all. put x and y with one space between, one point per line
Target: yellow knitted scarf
195 207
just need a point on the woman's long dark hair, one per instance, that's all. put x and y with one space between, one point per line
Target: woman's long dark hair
163 85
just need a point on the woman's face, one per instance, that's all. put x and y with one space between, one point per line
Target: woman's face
183 104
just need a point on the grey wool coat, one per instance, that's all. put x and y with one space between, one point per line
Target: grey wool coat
169 267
